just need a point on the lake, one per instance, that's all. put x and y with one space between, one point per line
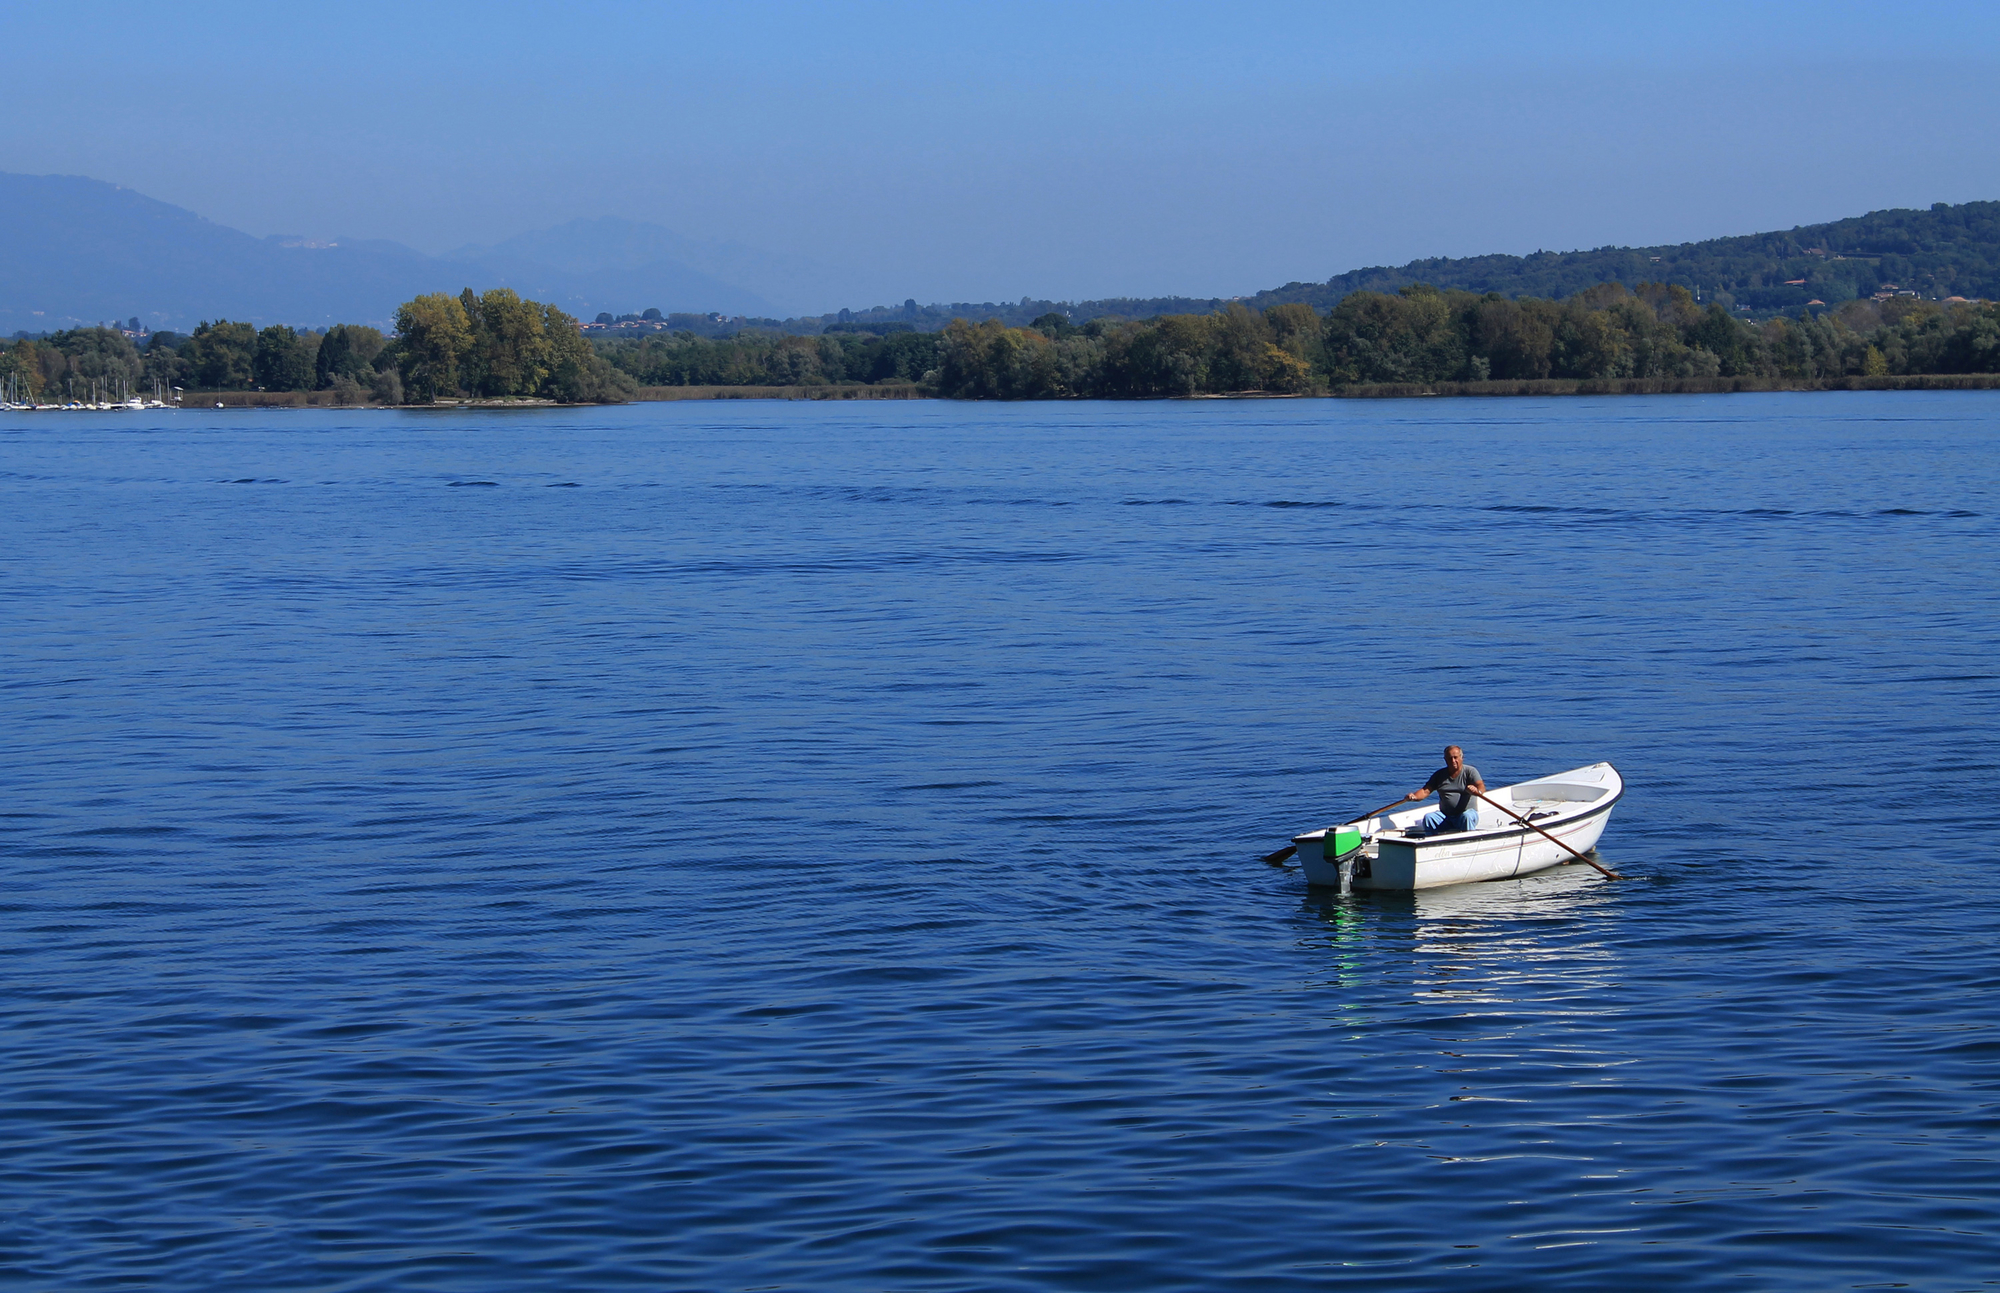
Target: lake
811 846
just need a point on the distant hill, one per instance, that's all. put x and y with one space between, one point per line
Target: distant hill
83 251
1945 251
1015 314
655 266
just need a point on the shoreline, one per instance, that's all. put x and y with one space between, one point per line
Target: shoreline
1670 386
1548 386
192 400
844 391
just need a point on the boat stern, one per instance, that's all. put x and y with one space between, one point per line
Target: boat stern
1322 852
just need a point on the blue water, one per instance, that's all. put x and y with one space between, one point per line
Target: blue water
801 846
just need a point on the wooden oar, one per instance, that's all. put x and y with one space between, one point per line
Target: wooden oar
1609 874
1289 849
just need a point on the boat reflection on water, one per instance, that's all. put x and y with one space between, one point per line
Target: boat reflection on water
1540 938
1480 1025
1545 893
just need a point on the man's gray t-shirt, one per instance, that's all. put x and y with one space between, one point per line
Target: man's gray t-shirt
1453 797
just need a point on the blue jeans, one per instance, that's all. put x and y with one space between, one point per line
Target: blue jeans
1440 824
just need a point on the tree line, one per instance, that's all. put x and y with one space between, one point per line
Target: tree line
1654 331
1416 335
772 359
500 345
490 345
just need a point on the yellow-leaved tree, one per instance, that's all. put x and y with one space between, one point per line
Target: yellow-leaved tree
499 345
435 335
511 352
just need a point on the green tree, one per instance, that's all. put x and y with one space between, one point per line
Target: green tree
1590 343
1237 341
1722 337
1418 335
1297 329
162 364
100 361
1166 356
1517 337
510 350
1975 345
577 374
283 360
435 335
22 363
220 354
347 350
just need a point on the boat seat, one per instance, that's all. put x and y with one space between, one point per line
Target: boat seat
1556 792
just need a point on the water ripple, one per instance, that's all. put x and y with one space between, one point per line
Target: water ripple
816 848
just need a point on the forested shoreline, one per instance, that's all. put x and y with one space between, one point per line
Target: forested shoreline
1418 335
487 346
499 346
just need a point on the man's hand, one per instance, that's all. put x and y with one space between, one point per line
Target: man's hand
1416 794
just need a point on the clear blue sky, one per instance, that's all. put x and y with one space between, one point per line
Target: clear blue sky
960 152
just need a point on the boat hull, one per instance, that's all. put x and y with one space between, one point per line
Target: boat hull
1427 864
1573 806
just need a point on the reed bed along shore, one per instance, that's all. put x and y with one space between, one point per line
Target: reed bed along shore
844 391
332 400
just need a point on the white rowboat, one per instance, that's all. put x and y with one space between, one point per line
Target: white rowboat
1389 851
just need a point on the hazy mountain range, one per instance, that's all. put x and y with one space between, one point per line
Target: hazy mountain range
84 251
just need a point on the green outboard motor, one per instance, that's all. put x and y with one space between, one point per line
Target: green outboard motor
1343 849
1340 841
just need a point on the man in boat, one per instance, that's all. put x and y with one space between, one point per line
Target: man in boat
1454 784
